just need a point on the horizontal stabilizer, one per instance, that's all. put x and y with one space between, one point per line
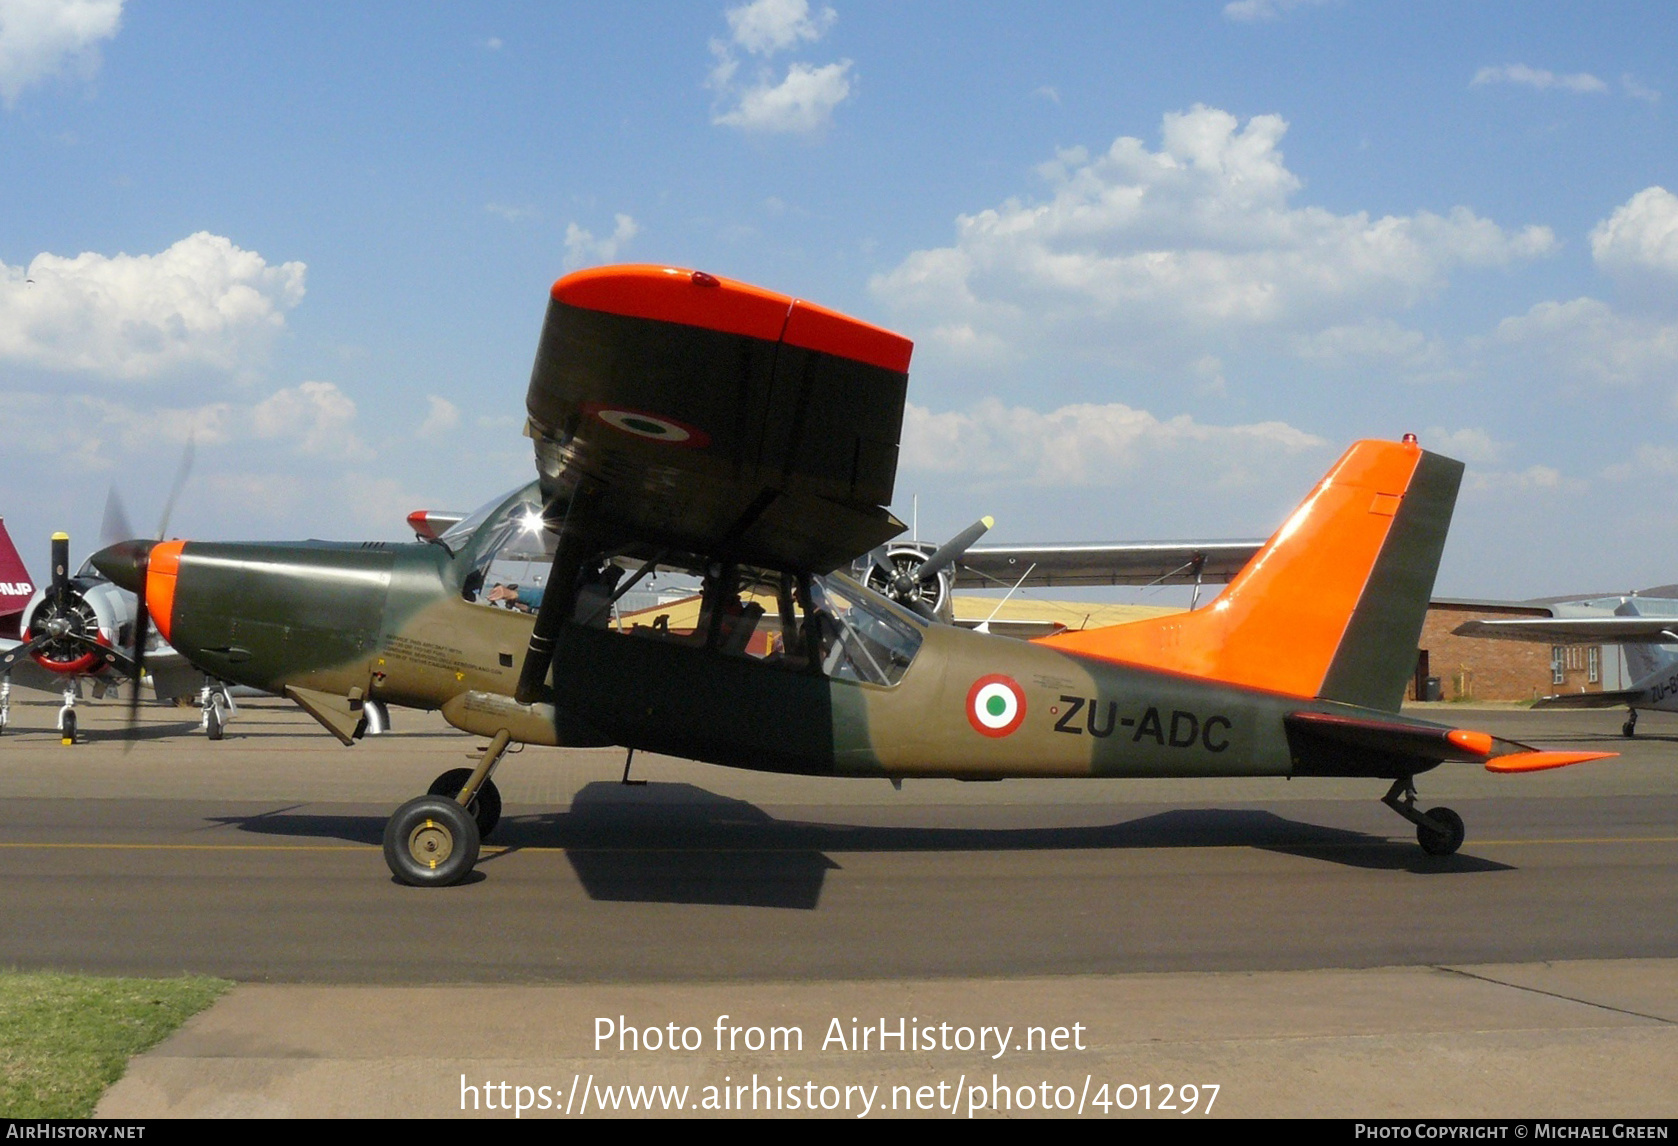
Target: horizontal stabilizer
1540 761
1331 744
1608 699
1433 742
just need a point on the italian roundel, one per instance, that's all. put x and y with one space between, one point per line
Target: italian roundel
995 705
640 424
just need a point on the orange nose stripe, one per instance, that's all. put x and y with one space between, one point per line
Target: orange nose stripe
1479 743
163 568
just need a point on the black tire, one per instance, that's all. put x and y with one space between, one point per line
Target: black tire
68 733
1629 728
1441 843
485 806
431 842
214 727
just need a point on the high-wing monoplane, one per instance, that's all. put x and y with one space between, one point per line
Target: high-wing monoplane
1646 628
687 423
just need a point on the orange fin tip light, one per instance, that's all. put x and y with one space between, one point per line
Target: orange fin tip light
1540 761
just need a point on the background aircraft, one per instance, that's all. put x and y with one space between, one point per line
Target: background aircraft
749 439
1645 627
79 630
924 577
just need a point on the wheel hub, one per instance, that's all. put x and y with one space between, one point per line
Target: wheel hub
430 843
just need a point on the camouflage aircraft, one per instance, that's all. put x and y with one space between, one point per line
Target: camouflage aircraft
693 424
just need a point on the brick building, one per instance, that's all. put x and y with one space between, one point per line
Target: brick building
1474 668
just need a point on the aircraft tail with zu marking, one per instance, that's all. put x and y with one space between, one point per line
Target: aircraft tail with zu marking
1332 606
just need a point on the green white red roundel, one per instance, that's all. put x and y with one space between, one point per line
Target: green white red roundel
652 427
995 705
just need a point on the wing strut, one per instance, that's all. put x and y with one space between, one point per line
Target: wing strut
559 601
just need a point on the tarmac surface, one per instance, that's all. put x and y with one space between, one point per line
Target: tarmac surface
1130 906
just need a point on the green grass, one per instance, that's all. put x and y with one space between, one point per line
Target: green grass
65 1038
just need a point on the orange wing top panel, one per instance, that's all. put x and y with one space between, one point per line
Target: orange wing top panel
817 328
694 298
1279 622
163 566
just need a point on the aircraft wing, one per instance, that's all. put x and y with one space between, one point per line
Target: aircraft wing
1147 563
687 412
1613 699
1577 630
21 668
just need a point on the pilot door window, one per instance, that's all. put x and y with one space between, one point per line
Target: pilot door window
823 625
860 636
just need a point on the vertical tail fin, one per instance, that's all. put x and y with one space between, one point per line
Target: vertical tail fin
1332 606
15 586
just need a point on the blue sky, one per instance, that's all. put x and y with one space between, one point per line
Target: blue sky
1161 263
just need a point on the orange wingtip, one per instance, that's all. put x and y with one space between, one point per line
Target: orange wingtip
1539 761
1479 743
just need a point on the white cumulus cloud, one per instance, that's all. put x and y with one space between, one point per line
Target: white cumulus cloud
799 102
1081 444
203 302
43 38
443 417
767 26
1197 237
1255 11
1473 446
317 415
583 249
1641 236
802 102
1540 78
1585 341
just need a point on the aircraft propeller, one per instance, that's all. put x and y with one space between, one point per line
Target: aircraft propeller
116 531
914 579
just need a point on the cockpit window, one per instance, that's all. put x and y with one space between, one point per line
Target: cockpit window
505 550
864 637
801 623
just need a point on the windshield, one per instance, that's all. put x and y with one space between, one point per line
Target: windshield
460 533
504 547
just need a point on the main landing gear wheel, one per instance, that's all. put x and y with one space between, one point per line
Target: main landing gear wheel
1629 728
215 725
67 727
485 807
1446 838
431 842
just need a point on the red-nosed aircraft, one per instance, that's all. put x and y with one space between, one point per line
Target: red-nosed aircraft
79 629
689 423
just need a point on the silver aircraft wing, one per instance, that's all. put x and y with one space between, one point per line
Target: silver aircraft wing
1577 630
1143 563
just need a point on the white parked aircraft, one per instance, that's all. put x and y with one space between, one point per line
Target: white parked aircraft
1645 627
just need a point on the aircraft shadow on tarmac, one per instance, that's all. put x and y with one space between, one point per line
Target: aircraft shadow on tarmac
678 843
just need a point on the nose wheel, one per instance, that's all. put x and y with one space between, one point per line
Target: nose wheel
67 718
1439 831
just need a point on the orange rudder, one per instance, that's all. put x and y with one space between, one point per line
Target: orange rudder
1333 603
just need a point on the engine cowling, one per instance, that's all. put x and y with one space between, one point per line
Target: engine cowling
896 575
87 609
